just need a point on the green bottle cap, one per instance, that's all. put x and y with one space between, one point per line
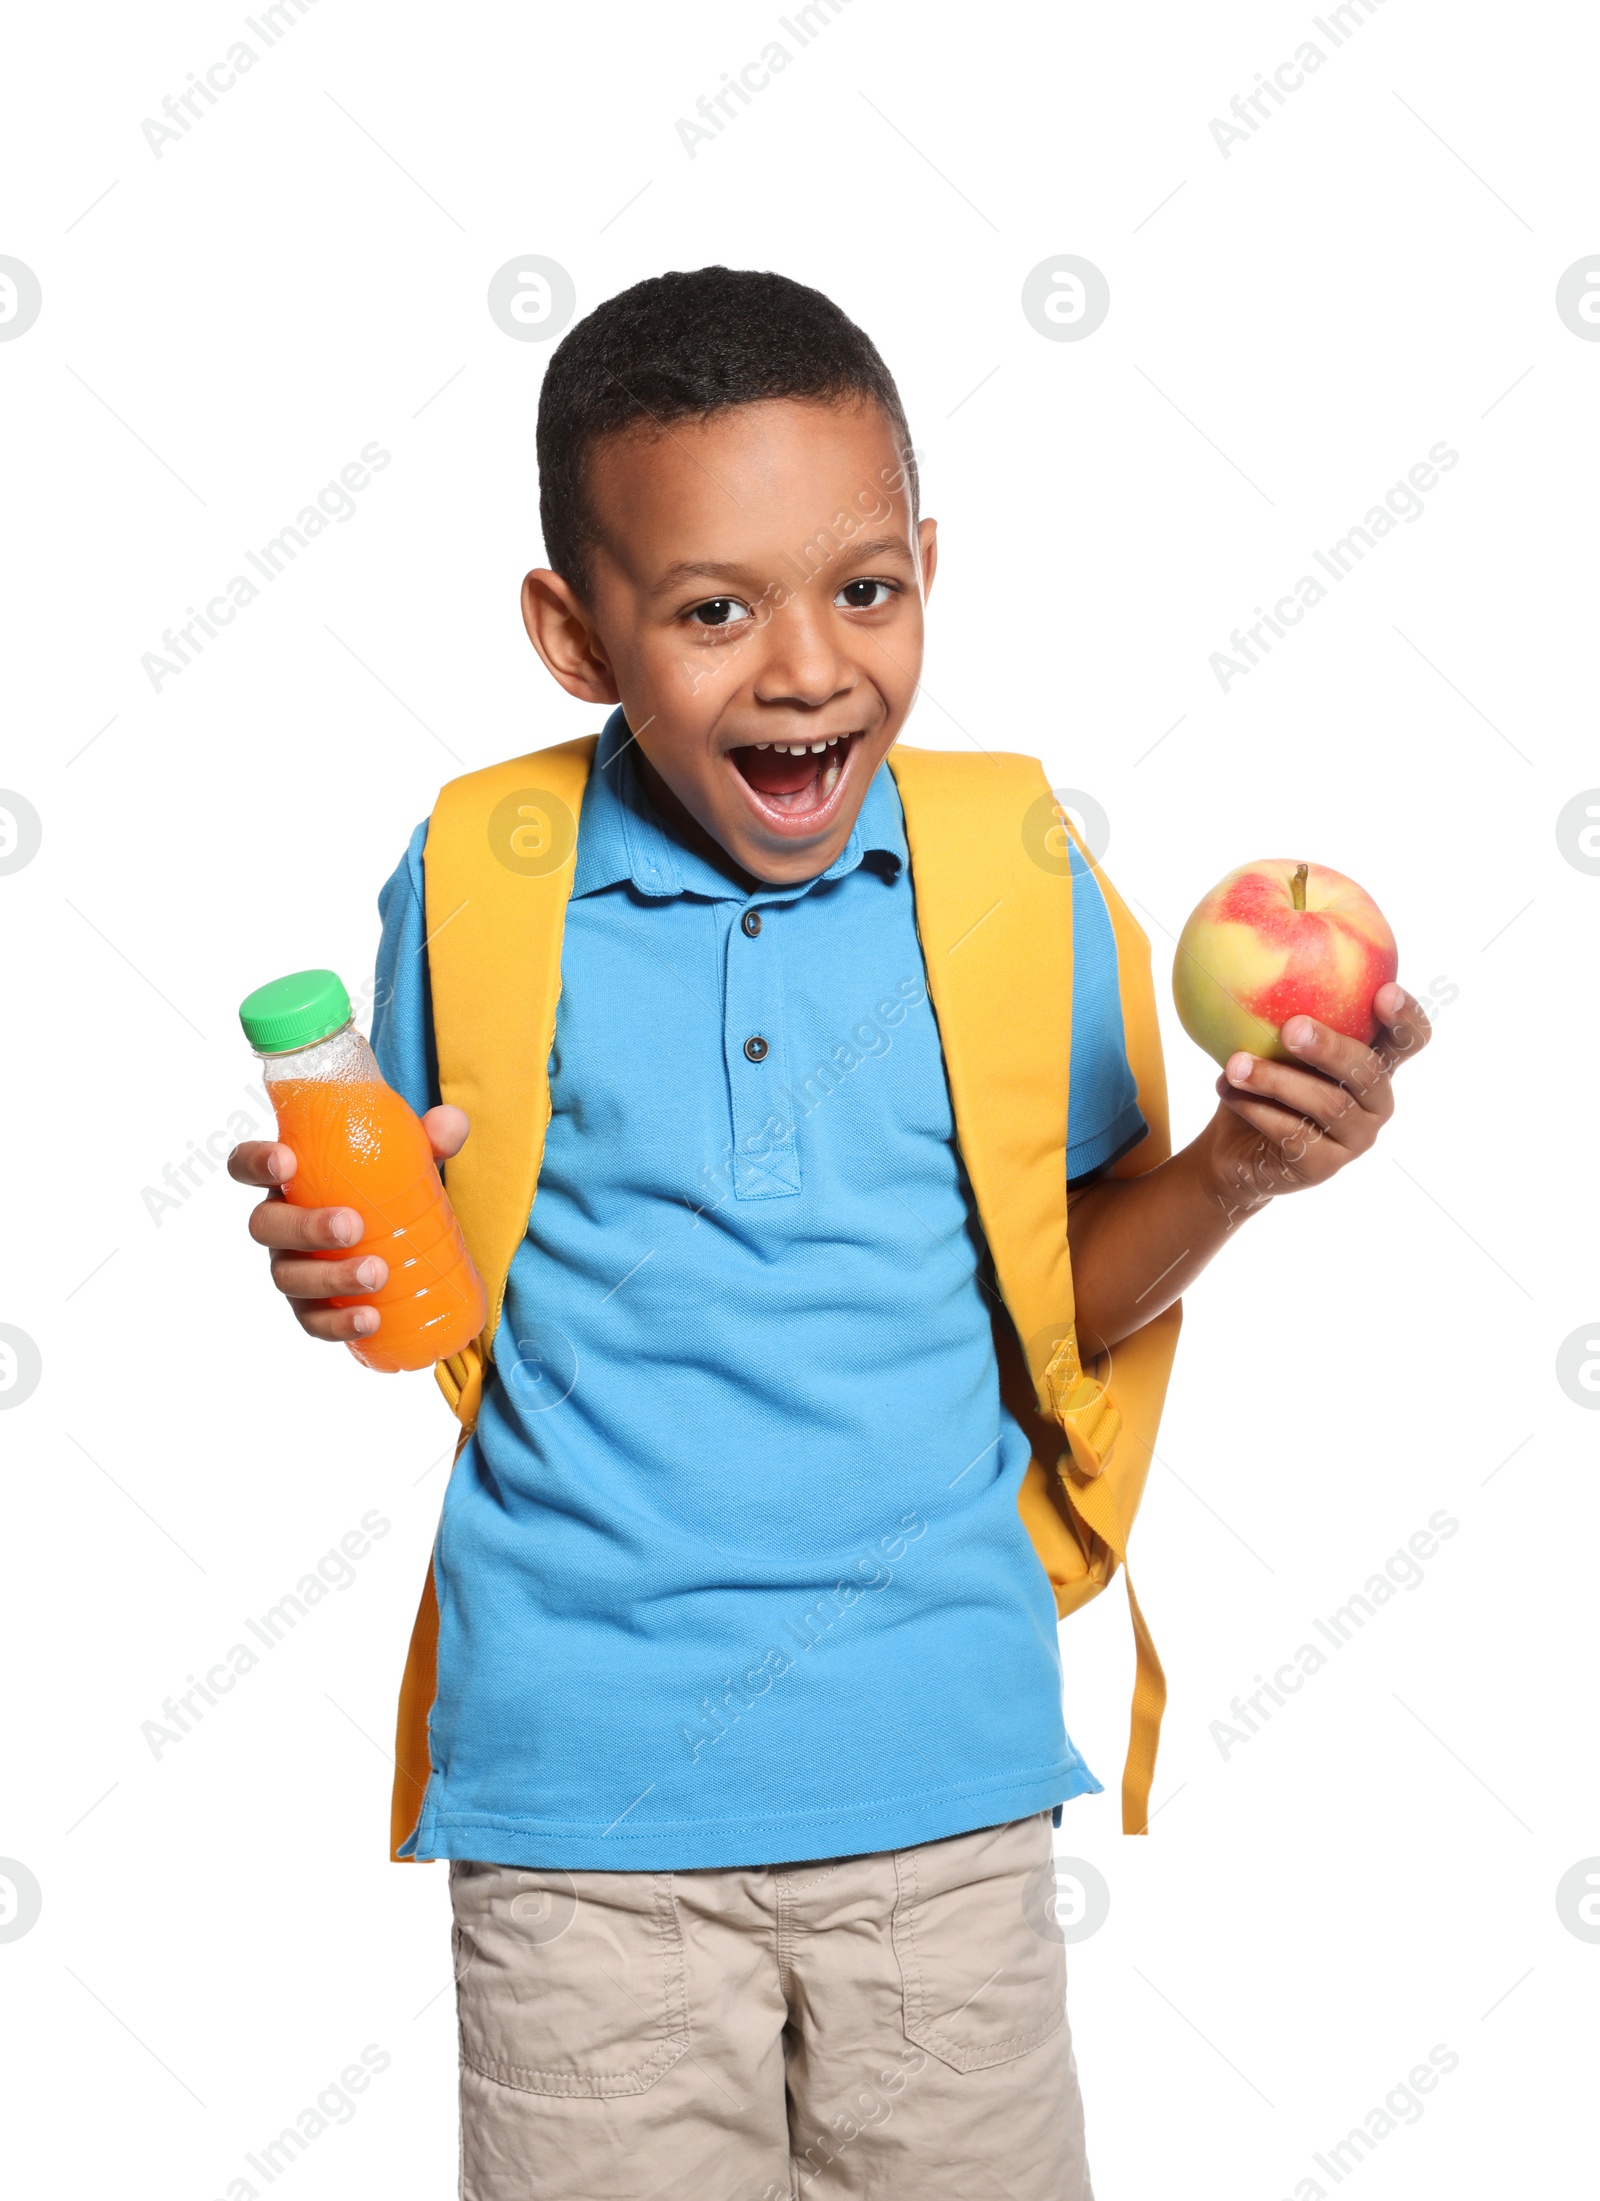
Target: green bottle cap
294 1011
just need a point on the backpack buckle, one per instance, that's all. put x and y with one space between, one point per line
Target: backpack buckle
1084 1408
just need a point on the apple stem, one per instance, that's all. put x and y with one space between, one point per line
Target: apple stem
1297 886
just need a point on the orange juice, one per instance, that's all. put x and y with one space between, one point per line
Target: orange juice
358 1145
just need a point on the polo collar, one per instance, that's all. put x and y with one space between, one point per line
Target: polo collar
624 838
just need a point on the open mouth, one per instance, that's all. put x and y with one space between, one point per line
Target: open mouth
796 783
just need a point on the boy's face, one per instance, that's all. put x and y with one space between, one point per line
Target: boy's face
755 604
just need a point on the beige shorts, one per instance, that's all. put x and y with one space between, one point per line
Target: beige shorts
890 2028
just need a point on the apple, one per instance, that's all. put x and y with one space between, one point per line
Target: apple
1276 939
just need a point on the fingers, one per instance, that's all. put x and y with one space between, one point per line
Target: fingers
1343 1088
1347 1108
335 1325
1289 1132
261 1162
1405 1022
1356 1067
284 1227
295 1237
447 1130
298 1276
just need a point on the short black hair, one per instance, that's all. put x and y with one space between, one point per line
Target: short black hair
683 346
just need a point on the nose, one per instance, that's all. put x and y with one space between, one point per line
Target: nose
802 664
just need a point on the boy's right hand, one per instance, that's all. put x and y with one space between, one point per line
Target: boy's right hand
296 1235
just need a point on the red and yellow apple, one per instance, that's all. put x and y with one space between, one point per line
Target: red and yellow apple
1277 939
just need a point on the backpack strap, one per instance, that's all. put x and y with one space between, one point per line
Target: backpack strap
498 868
497 871
993 886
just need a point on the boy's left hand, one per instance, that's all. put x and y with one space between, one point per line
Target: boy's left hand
1285 1125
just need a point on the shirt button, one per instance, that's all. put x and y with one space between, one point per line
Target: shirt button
750 923
755 1048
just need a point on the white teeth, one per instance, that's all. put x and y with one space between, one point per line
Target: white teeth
830 779
802 748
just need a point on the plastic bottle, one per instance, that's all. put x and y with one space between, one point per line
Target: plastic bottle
357 1144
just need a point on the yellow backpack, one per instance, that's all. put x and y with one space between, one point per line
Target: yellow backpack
993 892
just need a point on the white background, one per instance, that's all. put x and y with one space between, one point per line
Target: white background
1291 328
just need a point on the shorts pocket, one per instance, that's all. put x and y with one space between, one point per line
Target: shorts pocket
569 1983
981 1982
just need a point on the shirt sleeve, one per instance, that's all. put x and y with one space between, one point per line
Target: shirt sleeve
1102 1106
402 1003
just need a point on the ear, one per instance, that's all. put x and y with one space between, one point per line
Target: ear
928 545
565 636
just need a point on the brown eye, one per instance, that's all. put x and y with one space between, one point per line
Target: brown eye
863 595
721 611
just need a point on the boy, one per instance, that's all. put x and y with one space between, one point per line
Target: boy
741 1677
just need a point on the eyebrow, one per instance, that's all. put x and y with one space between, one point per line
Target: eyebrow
711 569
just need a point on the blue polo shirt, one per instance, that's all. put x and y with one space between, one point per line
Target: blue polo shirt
731 1571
